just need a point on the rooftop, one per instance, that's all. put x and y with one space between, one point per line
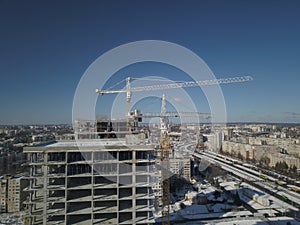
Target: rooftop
88 144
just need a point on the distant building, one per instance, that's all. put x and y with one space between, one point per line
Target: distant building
65 137
15 194
11 162
3 195
228 134
43 138
275 150
290 160
245 151
12 195
181 167
156 187
214 141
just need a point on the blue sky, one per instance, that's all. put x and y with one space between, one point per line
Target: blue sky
46 46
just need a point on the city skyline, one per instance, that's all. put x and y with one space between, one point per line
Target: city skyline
47 46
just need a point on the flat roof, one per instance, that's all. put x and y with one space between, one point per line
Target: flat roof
85 143
88 144
283 220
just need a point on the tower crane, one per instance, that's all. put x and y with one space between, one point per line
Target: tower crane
129 90
164 139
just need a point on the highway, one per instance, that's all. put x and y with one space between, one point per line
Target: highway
253 177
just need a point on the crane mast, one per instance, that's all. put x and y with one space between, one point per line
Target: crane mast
164 160
165 177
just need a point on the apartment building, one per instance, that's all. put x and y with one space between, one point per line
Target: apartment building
90 182
15 194
12 195
3 194
181 167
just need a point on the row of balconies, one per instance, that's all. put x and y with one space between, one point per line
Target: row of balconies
96 155
85 207
85 217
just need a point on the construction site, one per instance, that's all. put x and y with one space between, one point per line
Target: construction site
107 184
112 173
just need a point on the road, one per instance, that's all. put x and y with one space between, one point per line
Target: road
253 178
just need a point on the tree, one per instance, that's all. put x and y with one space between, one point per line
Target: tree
240 156
281 166
285 166
278 166
265 161
293 169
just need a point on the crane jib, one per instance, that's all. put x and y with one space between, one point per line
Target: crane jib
178 85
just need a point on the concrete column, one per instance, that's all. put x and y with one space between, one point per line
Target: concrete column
134 186
45 173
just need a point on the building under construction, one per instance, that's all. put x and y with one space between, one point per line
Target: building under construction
90 182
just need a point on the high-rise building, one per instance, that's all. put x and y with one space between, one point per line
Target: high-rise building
3 194
214 141
90 182
181 167
11 161
15 194
12 195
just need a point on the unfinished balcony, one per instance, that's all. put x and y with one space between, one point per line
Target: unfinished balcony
125 205
75 208
79 219
79 157
79 170
56 208
105 194
125 193
109 181
105 206
125 218
83 183
105 169
107 218
79 195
